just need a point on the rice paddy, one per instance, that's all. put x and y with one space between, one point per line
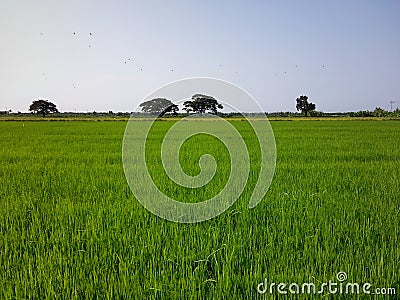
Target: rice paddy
70 227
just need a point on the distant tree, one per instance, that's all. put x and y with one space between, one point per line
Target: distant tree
303 105
379 112
314 113
43 107
159 106
5 112
362 113
201 104
173 109
396 112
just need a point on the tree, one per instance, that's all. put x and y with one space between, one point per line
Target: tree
396 112
5 112
303 105
159 106
43 107
170 109
379 112
201 104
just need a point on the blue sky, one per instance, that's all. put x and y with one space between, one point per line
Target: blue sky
343 54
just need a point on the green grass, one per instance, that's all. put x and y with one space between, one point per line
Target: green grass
70 227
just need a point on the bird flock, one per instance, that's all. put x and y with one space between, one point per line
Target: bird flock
129 60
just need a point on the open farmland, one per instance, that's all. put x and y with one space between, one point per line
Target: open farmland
70 227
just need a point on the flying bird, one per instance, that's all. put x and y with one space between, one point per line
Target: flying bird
90 33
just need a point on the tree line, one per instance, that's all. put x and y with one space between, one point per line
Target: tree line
201 104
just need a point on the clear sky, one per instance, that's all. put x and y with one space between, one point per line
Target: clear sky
345 55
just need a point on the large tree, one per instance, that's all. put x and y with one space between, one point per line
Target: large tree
43 107
159 106
303 105
201 104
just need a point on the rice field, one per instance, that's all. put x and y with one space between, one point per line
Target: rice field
70 227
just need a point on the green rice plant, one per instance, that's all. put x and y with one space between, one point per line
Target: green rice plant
70 227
